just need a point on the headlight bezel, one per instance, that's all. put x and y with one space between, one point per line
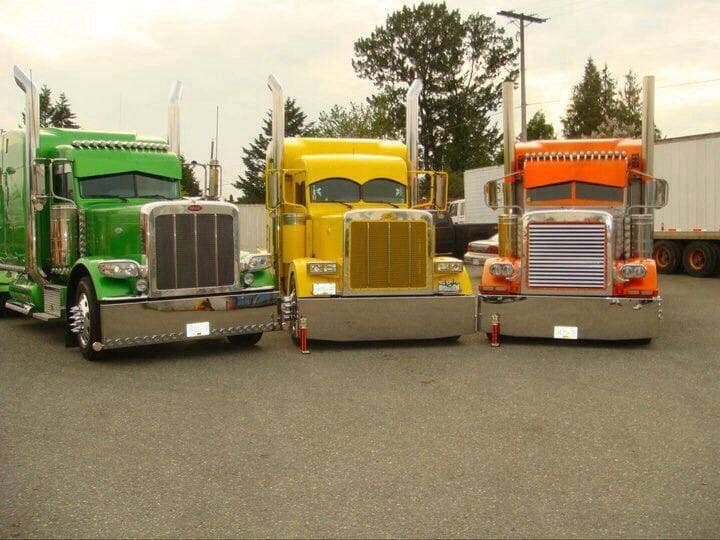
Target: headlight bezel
322 268
631 271
452 266
255 262
121 269
502 269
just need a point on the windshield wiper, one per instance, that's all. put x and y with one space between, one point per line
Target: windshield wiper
386 202
123 199
156 196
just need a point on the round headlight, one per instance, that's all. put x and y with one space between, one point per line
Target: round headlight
141 285
248 278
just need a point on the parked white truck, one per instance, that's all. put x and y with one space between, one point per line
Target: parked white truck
687 230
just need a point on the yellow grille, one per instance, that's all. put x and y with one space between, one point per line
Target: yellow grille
388 255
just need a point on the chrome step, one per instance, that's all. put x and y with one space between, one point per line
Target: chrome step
46 316
18 307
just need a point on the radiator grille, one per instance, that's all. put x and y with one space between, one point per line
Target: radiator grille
388 255
567 255
194 250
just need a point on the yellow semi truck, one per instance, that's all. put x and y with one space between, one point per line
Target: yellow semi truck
354 253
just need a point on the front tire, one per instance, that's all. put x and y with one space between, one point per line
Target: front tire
245 340
89 313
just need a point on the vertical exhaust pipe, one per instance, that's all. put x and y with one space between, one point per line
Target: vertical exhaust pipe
278 139
32 142
412 135
508 126
173 137
648 123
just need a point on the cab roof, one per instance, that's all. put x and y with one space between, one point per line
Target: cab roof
298 149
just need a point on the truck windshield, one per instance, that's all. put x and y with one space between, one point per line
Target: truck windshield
128 186
335 190
575 193
383 190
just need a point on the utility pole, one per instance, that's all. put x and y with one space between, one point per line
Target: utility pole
522 18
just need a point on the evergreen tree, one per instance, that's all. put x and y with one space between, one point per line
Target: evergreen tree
608 99
355 121
46 107
629 110
538 128
252 184
462 63
585 112
62 115
189 186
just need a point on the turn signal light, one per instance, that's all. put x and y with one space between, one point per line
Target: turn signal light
448 267
320 268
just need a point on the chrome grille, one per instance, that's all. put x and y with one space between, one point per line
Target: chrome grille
194 251
388 255
567 255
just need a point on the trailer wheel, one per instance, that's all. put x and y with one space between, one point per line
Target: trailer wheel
668 256
88 316
245 340
700 259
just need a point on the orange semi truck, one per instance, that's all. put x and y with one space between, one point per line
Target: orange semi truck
576 237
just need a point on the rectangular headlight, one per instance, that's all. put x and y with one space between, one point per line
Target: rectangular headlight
257 261
448 267
119 269
321 268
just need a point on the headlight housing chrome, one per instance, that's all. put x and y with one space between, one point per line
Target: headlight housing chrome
120 269
633 271
502 269
316 268
256 261
448 267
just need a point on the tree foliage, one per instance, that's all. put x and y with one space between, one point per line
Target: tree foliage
356 121
538 128
58 114
600 109
189 186
252 183
462 63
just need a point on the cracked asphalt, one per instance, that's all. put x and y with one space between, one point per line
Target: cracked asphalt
411 439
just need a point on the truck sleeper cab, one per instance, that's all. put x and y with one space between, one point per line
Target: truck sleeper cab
108 245
355 259
575 239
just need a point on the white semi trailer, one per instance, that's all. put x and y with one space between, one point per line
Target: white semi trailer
687 235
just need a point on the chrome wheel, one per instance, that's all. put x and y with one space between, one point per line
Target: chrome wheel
83 315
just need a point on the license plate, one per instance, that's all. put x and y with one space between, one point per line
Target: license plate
197 329
449 286
324 289
566 332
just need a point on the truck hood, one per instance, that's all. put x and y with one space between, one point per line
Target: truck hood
114 230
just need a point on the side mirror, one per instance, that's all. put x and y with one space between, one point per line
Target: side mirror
491 194
440 191
661 193
271 189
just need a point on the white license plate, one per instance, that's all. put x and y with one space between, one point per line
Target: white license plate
449 286
566 332
197 329
324 289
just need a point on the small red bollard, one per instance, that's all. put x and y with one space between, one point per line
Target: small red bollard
302 323
495 331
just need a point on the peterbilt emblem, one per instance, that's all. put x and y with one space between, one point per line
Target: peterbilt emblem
194 208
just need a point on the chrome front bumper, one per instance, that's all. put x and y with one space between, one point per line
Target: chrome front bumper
162 321
376 318
573 317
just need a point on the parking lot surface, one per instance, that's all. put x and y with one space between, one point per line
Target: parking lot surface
411 439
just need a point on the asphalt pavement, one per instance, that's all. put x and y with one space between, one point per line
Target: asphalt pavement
413 439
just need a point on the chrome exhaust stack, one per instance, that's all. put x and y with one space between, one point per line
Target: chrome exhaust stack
508 222
648 124
278 141
34 189
412 135
173 136
508 126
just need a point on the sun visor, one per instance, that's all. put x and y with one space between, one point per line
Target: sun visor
610 171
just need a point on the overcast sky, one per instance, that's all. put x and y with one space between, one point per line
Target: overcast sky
116 60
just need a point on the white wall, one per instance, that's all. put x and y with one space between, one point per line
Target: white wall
253 223
691 165
475 209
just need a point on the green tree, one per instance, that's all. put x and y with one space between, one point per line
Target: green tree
252 183
189 186
58 114
585 113
538 128
462 63
355 121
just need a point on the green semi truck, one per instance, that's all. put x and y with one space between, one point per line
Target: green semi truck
94 233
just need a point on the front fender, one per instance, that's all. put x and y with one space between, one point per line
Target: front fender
304 281
105 287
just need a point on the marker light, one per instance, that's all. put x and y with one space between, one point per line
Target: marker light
633 271
322 267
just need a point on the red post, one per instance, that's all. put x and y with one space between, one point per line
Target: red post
495 331
303 336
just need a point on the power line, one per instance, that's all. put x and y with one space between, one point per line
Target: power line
523 18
